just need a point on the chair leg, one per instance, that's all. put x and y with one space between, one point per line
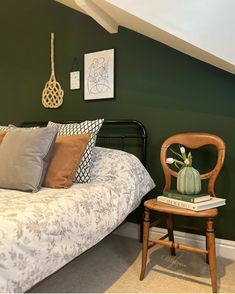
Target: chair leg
145 242
207 258
169 224
211 253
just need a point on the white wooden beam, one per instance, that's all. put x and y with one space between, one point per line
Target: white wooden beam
99 15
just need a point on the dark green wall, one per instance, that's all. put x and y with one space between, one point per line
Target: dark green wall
165 89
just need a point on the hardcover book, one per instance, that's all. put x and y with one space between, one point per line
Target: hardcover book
213 202
189 198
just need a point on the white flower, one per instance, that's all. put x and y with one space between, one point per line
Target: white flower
186 161
183 161
170 160
182 150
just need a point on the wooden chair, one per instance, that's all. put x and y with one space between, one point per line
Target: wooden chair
192 141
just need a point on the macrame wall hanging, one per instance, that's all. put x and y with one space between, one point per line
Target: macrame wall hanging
52 94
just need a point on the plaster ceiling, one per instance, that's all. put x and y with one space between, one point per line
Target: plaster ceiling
203 29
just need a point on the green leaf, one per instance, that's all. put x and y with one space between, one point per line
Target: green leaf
177 165
179 162
190 158
176 153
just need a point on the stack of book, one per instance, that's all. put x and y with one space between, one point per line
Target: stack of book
193 202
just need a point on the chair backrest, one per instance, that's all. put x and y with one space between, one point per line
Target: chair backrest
193 141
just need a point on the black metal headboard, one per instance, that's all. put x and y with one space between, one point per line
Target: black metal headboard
127 135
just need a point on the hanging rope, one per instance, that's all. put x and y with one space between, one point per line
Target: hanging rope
52 94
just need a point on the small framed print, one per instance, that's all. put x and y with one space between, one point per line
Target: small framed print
74 80
99 75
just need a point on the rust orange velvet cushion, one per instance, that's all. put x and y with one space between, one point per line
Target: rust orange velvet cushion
2 134
65 160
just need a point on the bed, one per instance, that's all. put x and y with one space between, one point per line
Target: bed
43 231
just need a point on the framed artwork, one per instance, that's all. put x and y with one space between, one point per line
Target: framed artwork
99 75
75 75
74 80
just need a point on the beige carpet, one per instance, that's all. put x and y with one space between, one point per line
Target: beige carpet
113 266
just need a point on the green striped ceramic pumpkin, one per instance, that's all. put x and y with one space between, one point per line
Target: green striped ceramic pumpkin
188 181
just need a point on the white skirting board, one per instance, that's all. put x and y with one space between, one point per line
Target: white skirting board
224 248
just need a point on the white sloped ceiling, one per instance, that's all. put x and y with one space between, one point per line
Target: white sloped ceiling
203 29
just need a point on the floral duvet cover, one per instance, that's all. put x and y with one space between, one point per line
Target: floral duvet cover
41 232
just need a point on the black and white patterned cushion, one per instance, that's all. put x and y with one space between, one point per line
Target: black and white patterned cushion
6 128
3 128
92 127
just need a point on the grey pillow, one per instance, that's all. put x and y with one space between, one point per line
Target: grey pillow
24 157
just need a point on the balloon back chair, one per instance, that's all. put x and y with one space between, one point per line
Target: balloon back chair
192 141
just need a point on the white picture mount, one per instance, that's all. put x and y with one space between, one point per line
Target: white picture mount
99 75
74 80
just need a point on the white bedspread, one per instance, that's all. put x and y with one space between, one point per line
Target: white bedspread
41 232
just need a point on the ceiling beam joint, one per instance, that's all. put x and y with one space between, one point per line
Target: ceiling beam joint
99 15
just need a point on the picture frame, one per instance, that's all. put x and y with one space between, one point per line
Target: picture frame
99 75
74 80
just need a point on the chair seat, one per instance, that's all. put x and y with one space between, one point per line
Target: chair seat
156 205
